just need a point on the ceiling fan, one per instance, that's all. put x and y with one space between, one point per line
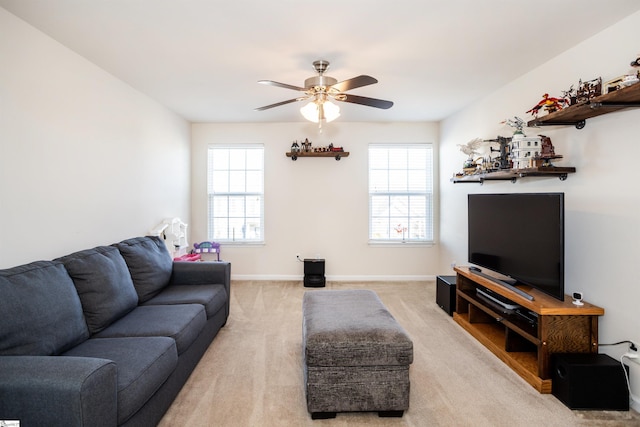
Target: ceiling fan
321 89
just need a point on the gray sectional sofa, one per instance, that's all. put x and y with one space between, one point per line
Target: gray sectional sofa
105 336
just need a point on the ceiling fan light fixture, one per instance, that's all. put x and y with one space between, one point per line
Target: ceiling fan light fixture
315 110
310 112
320 89
331 111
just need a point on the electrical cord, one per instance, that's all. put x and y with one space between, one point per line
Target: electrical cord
626 376
632 345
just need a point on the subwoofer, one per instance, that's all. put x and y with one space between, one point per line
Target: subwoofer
589 381
446 293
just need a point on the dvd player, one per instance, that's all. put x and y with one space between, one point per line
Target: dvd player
528 315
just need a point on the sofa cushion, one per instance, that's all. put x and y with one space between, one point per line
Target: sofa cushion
143 365
182 322
212 297
149 263
40 309
104 284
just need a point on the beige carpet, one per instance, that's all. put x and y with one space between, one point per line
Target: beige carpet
251 375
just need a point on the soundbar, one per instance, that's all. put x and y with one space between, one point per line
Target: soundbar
476 270
498 299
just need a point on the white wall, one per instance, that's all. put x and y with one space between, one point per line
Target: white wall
313 206
85 159
601 199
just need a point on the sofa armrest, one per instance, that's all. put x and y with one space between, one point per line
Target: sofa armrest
58 391
203 273
200 273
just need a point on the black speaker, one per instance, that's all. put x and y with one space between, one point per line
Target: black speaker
589 381
446 293
314 273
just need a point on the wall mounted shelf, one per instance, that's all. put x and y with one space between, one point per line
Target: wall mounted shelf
576 115
335 154
513 174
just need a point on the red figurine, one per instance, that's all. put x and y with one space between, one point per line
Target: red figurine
550 104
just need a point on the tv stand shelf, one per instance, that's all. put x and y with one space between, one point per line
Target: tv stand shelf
525 346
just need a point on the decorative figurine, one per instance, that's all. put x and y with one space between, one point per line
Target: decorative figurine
589 89
470 148
570 95
533 152
631 78
547 152
517 123
549 104
306 145
502 161
295 148
524 150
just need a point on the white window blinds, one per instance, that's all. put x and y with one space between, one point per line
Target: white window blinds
235 186
401 193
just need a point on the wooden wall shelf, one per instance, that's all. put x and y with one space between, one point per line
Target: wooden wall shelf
513 174
526 347
576 115
335 154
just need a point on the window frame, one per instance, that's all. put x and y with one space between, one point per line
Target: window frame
427 192
231 238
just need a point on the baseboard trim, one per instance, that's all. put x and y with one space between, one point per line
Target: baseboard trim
360 278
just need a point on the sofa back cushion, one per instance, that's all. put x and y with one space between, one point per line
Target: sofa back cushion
104 285
40 309
149 263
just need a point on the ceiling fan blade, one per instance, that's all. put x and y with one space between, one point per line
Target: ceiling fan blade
370 102
354 83
282 85
289 101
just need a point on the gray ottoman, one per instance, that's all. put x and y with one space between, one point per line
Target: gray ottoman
356 356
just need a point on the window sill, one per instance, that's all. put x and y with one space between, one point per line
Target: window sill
400 244
229 243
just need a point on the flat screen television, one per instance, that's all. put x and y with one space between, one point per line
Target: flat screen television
521 236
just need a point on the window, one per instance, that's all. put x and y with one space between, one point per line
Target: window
400 193
236 193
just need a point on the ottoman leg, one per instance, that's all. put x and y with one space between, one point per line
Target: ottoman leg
390 414
322 415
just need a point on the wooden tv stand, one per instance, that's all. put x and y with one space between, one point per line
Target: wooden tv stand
525 346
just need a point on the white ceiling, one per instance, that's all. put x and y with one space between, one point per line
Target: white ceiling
203 58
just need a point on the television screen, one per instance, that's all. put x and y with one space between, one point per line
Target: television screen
520 235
